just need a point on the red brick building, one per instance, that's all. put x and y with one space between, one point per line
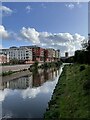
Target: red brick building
51 55
38 54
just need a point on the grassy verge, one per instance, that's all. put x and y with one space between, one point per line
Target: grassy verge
71 95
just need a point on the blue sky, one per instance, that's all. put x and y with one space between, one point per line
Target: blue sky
52 18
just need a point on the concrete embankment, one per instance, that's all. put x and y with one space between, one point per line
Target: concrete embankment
14 67
72 94
15 75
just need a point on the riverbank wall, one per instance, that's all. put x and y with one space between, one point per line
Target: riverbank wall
14 67
72 94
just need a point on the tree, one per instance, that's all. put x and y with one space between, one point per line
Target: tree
81 56
14 61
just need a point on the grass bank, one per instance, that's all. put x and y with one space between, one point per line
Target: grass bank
71 95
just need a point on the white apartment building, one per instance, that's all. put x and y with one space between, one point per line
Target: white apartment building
53 55
56 54
21 53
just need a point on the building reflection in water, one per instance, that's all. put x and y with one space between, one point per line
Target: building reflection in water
34 80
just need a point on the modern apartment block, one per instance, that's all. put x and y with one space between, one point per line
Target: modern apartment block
52 55
30 54
18 53
37 53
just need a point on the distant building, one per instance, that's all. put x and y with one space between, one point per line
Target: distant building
66 54
30 54
37 53
52 55
4 58
46 54
58 55
18 53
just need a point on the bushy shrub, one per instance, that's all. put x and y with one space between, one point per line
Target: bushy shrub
86 85
24 69
82 67
7 73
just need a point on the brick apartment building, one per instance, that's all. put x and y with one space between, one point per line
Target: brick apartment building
37 53
30 54
52 55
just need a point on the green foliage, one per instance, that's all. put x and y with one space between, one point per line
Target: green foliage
83 56
86 85
82 67
69 60
52 64
14 61
70 97
35 66
7 73
36 63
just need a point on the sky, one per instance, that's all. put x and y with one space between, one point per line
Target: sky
58 25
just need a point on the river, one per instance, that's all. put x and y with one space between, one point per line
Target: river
28 96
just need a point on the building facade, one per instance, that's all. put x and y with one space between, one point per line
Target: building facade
66 54
52 55
4 58
37 53
30 54
21 53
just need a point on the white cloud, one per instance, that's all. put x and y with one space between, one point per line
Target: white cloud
3 94
29 92
70 6
74 5
30 34
63 41
79 4
44 89
4 34
28 9
5 11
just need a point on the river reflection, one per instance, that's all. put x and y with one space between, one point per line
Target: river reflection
28 96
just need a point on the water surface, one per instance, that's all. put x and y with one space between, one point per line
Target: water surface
28 96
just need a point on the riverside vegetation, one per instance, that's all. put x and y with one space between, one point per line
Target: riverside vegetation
71 95
46 65
11 72
34 67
